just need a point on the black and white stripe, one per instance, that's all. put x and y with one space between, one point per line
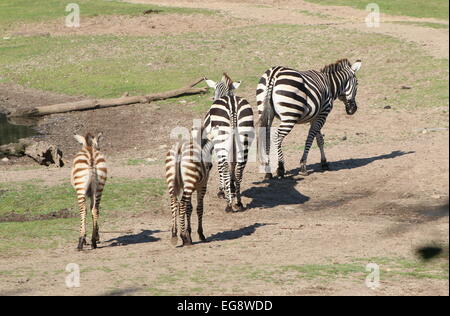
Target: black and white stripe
187 170
231 120
298 97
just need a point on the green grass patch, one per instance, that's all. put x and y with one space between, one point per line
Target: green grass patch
416 8
31 199
119 195
14 11
106 66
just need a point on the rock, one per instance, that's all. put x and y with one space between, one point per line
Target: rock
406 87
344 138
5 159
387 107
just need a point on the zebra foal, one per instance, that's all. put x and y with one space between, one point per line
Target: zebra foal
187 170
232 118
299 97
88 178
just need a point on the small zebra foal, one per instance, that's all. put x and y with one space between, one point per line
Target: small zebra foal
187 170
88 178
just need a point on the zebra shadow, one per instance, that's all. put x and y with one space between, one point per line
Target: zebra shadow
352 163
144 236
278 192
236 233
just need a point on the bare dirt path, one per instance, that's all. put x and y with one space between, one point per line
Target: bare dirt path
434 41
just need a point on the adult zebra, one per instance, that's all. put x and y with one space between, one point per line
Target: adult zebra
231 118
298 97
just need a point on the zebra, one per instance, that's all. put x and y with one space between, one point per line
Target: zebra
231 116
188 164
298 97
88 177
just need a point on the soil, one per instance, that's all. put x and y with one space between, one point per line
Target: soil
386 195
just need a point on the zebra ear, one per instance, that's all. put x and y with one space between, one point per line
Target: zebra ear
236 84
356 66
97 139
80 139
210 83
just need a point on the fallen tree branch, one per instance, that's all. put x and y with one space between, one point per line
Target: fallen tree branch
105 103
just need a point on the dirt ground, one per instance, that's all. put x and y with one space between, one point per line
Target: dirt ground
384 198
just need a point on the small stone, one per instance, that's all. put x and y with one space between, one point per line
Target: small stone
387 107
406 87
436 196
424 131
344 138
5 159
150 159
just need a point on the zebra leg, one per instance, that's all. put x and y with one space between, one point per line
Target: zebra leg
200 195
238 176
315 127
95 209
184 205
174 207
188 217
323 159
221 193
227 186
282 132
82 205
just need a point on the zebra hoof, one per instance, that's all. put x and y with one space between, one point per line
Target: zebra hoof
81 243
268 176
186 238
239 207
229 209
280 173
303 171
201 236
325 166
220 194
94 244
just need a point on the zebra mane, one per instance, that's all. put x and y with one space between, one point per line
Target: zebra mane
226 79
337 66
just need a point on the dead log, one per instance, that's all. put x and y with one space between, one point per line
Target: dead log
105 103
45 154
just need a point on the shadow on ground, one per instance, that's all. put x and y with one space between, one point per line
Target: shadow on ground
354 163
144 236
237 233
278 192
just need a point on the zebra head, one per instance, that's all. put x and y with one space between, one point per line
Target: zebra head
348 95
225 87
89 140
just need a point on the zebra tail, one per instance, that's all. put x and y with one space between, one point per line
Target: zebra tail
265 121
178 181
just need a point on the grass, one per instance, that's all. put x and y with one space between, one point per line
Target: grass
31 199
106 66
119 195
16 11
289 276
415 8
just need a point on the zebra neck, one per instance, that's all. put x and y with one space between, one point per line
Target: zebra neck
337 81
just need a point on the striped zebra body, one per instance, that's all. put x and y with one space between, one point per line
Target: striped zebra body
187 170
231 118
88 177
299 97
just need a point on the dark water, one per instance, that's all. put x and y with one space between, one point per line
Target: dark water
10 133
